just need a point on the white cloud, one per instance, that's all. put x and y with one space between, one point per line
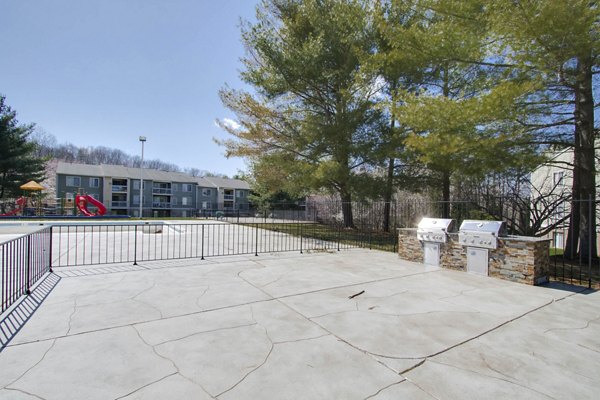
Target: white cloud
230 123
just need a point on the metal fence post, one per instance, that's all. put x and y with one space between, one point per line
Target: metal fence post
135 246
50 252
300 238
591 231
28 265
202 245
256 242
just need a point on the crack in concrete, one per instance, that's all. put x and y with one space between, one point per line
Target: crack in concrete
173 363
146 385
368 297
203 332
30 368
277 280
202 295
273 345
493 377
26 393
458 294
587 325
255 368
72 315
413 367
145 322
422 388
393 315
588 348
134 298
303 339
487 364
384 388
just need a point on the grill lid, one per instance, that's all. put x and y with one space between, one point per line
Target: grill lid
495 228
436 224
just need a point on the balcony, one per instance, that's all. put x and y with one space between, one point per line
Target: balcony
119 188
228 197
161 204
118 204
156 190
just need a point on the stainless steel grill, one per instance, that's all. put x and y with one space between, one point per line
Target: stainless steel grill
434 229
482 234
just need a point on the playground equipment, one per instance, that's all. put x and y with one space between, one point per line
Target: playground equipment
19 207
82 201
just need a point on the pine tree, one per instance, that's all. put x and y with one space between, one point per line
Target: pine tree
313 105
18 163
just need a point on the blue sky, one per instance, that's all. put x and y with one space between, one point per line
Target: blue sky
103 72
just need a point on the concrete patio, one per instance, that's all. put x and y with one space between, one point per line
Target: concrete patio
285 326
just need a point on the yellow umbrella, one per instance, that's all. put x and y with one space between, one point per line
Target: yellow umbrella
32 186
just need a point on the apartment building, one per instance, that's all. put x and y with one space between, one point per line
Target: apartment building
165 194
554 181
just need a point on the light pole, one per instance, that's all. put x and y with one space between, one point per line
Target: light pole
142 139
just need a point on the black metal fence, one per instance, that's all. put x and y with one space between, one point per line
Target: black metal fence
546 217
317 226
23 261
79 244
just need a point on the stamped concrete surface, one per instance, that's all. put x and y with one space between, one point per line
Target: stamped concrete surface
355 324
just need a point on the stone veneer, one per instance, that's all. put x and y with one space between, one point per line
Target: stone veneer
518 259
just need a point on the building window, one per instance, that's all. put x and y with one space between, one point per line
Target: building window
206 192
238 194
136 185
174 186
73 181
186 201
205 205
95 182
559 178
136 199
186 187
174 201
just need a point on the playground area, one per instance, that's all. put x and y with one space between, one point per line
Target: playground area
24 206
35 203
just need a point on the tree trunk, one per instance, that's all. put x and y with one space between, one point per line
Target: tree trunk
347 209
387 196
581 237
445 194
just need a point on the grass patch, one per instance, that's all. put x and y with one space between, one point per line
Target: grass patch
345 237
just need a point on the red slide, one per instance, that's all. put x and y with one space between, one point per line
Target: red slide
82 201
20 204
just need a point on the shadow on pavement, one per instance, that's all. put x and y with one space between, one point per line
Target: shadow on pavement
15 319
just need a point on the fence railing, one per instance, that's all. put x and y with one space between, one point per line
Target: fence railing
75 245
23 261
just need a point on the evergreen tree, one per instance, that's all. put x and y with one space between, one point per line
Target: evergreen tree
463 115
18 163
313 108
556 43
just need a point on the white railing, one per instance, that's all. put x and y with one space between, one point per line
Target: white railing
119 188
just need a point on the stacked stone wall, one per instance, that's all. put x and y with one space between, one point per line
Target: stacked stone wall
518 259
